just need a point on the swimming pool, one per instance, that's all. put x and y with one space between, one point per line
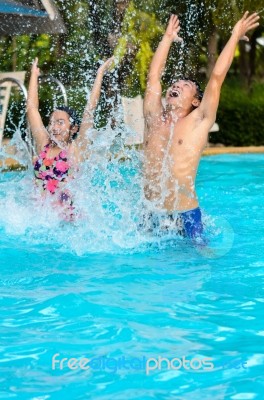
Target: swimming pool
124 306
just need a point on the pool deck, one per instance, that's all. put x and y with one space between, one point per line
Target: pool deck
214 150
12 164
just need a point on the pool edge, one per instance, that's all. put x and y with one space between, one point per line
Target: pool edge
10 164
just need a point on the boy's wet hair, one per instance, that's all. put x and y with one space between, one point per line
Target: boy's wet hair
199 92
73 117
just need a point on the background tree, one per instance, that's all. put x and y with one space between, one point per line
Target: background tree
131 29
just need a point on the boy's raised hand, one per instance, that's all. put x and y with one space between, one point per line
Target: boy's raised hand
245 24
173 29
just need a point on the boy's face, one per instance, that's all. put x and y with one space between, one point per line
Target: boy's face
182 93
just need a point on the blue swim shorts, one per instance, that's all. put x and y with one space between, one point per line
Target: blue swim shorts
187 223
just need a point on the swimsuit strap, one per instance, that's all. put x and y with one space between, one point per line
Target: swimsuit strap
57 157
47 146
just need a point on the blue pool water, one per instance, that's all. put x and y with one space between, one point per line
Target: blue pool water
126 303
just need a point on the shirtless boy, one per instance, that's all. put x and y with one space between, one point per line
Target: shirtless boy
176 134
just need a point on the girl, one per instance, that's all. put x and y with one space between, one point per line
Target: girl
64 144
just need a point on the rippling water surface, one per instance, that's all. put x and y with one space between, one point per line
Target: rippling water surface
120 300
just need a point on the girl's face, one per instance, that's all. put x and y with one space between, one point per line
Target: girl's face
60 128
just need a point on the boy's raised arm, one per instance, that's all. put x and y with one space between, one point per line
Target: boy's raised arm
210 101
152 100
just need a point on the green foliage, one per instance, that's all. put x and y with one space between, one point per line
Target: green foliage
240 116
18 52
139 30
138 25
140 35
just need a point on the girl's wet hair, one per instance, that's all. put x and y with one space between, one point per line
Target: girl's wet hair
73 117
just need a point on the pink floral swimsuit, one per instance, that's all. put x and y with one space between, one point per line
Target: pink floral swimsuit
52 173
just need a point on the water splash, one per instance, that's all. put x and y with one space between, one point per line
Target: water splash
108 188
109 199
